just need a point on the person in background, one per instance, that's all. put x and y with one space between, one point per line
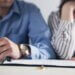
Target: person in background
62 26
23 32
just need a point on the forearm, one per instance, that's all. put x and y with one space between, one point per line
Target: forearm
62 41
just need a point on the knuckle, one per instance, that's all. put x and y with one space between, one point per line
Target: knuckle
10 50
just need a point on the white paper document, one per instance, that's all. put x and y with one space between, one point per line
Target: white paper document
64 63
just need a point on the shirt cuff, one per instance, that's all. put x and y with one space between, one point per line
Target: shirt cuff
34 52
66 21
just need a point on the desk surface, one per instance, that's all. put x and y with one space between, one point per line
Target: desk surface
22 70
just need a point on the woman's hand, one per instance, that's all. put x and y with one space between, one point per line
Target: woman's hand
67 12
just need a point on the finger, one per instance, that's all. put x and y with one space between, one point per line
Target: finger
5 54
4 48
3 41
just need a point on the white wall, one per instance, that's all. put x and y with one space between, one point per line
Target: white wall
46 6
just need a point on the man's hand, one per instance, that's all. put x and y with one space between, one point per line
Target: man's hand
8 48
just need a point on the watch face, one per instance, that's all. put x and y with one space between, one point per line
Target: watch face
22 46
24 49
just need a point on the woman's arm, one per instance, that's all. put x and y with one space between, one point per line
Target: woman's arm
61 39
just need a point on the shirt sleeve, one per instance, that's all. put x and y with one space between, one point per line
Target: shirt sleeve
39 35
62 40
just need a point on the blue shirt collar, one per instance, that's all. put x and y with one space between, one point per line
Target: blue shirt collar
15 8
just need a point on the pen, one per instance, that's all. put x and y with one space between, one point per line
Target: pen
6 59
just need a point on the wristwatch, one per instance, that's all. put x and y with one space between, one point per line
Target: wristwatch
25 50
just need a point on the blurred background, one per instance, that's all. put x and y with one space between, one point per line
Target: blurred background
46 6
